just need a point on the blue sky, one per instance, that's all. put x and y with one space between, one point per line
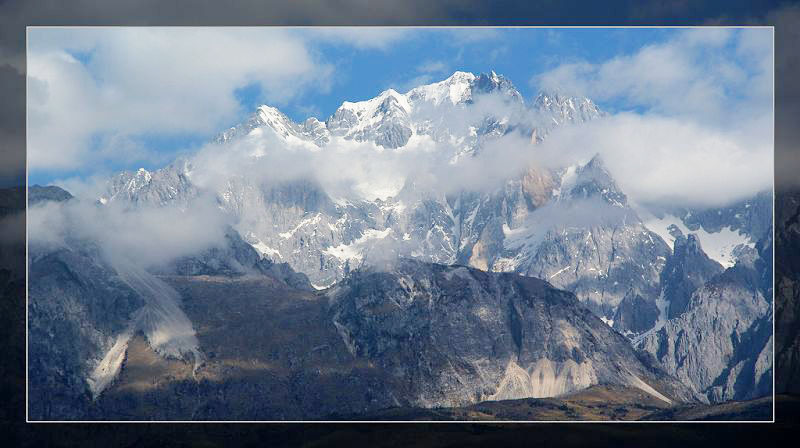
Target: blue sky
105 99
516 53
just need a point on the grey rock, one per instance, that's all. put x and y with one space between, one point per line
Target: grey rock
635 314
77 306
687 269
38 194
718 344
590 242
787 292
455 335
751 216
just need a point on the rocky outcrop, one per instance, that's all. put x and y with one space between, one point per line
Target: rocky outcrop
456 335
635 314
687 269
77 308
589 241
413 334
721 344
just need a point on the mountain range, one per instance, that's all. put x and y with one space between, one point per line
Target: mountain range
544 285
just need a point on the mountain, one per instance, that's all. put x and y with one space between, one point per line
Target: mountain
455 335
409 335
649 276
721 343
787 293
86 307
559 109
68 338
537 224
686 269
588 240
287 228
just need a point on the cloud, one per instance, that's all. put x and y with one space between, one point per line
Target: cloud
700 74
151 80
362 170
656 159
146 236
666 160
700 115
432 67
703 128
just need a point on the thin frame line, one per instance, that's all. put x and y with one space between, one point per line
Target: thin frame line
431 27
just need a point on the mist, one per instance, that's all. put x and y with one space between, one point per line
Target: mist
145 236
656 159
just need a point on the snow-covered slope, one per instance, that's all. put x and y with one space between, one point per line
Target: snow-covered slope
722 245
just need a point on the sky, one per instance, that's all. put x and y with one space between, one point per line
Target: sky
105 99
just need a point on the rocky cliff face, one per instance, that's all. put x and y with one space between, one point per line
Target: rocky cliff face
414 335
455 335
721 344
686 269
591 242
572 227
77 309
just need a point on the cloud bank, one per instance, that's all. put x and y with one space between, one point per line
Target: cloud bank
694 124
92 89
144 236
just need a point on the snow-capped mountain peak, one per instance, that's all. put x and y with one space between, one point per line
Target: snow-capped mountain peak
371 106
268 118
456 89
391 118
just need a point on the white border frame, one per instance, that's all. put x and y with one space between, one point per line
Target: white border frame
493 422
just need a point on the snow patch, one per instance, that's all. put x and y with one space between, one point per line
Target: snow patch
354 250
265 250
313 220
718 246
559 272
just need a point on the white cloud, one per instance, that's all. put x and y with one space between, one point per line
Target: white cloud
704 128
147 236
655 159
690 75
705 136
152 80
666 160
